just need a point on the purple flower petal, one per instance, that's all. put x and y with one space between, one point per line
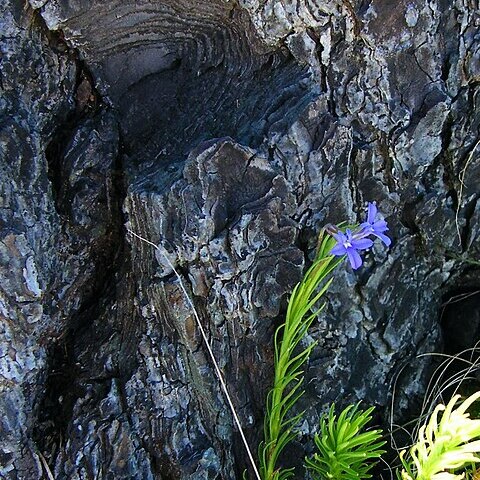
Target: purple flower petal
361 243
372 212
338 250
380 226
340 237
372 227
383 238
354 258
364 231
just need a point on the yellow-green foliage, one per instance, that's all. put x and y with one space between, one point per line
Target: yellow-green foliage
445 448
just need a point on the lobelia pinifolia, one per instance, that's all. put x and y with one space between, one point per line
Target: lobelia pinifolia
447 446
336 243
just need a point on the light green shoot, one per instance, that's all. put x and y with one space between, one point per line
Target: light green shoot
345 450
279 426
445 448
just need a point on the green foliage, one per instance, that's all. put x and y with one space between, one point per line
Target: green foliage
279 426
464 258
345 451
445 448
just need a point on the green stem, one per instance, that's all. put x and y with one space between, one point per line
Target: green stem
288 361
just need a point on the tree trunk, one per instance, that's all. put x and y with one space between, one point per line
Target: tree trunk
228 133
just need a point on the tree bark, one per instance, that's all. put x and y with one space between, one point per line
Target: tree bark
228 133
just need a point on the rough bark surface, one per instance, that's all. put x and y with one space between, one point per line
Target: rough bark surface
228 133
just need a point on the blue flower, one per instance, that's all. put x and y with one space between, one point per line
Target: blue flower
372 227
348 244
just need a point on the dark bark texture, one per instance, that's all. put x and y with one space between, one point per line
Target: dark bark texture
228 132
